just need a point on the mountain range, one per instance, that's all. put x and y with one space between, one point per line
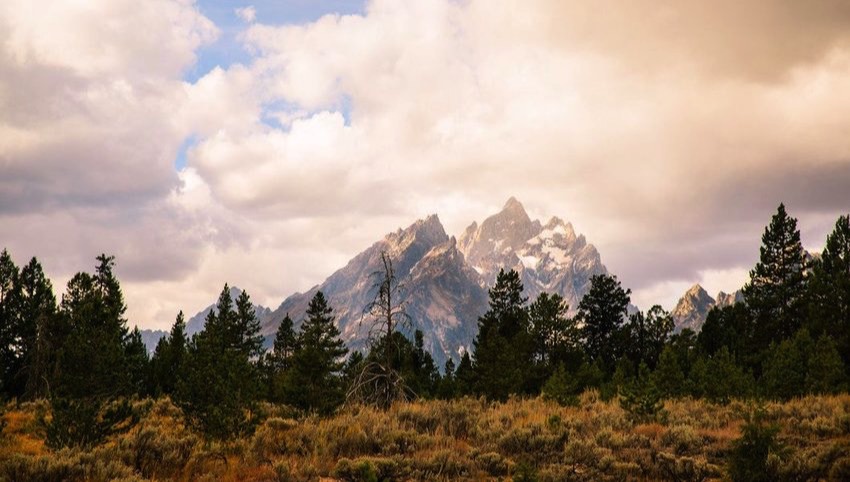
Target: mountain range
444 280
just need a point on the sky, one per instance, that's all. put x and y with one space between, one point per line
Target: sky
265 143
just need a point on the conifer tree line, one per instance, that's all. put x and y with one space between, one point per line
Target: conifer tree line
789 337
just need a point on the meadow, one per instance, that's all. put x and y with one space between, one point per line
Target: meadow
464 439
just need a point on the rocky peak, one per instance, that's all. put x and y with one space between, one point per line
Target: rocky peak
499 234
692 309
728 299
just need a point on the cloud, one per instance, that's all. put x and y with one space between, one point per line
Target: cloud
666 132
246 14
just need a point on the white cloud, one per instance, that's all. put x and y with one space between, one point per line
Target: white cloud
246 14
666 134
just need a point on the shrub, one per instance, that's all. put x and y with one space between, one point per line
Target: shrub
86 422
748 460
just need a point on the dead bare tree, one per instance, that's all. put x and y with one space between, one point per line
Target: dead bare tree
378 383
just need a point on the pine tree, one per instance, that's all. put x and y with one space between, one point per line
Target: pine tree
137 363
786 367
718 378
93 335
278 361
668 377
555 336
247 336
829 290
220 384
93 312
646 335
37 314
167 363
448 384
9 314
825 368
315 383
285 344
640 398
465 376
503 347
776 291
560 387
602 311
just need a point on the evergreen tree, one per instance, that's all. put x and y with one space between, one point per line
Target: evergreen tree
640 398
93 312
465 376
503 347
284 346
825 369
220 384
560 387
425 376
37 314
9 336
448 384
776 291
829 290
646 336
718 378
730 326
684 345
93 335
278 362
555 336
247 337
167 363
137 362
602 311
785 370
315 383
668 377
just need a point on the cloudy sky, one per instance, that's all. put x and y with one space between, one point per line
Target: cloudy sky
265 143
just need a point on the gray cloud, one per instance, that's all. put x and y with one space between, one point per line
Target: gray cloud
667 132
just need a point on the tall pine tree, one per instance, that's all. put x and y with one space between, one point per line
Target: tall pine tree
167 363
776 291
37 316
315 382
829 290
502 354
602 311
220 385
9 313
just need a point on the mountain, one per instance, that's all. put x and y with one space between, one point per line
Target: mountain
445 280
729 299
549 258
151 337
693 307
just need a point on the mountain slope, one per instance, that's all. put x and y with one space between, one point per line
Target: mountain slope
350 289
445 280
549 258
693 307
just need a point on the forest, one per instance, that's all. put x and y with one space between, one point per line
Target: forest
758 394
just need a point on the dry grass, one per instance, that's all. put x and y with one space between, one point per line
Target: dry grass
466 439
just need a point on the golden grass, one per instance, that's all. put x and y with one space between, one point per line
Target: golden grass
467 439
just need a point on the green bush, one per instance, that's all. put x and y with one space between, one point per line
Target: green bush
86 422
750 454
